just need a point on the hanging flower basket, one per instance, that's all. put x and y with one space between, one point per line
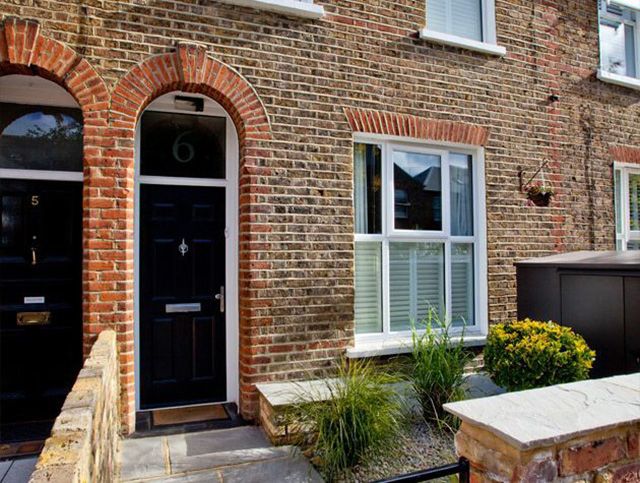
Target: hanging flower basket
539 194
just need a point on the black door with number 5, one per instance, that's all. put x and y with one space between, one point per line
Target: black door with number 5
40 297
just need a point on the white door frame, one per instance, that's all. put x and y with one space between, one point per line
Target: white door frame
230 183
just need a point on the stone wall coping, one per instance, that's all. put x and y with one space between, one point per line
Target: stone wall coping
285 393
548 416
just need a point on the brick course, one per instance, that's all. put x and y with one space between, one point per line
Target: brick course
294 89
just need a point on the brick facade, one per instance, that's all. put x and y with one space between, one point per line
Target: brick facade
297 90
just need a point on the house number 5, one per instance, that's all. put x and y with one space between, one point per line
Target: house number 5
35 200
183 152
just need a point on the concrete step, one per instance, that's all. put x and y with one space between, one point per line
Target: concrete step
239 454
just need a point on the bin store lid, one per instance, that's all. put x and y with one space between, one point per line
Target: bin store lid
612 260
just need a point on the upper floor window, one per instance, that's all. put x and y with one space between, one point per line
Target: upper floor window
469 24
295 8
619 43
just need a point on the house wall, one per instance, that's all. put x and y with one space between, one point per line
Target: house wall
297 77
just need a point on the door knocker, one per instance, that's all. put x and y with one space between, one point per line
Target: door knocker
183 248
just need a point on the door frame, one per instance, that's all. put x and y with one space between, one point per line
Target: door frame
164 103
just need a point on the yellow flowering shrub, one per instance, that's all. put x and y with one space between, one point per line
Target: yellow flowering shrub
526 354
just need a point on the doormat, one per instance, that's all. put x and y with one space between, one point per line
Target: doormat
25 448
192 414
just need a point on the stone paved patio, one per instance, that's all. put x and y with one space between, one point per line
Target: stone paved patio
231 455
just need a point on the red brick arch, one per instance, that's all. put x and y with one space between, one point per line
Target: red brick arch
24 49
190 69
405 125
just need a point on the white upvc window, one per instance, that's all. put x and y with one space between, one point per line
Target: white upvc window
619 42
419 238
469 24
296 8
627 203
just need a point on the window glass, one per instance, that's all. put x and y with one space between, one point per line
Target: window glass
456 17
367 188
182 145
461 179
38 137
462 287
618 39
617 184
416 283
418 191
634 202
368 298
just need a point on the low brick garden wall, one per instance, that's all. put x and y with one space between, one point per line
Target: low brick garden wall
586 431
83 442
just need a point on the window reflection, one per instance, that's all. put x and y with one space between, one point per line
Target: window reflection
418 191
37 137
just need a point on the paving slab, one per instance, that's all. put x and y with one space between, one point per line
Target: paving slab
209 476
295 469
4 467
142 458
206 442
20 470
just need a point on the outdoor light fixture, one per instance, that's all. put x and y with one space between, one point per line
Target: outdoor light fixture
193 104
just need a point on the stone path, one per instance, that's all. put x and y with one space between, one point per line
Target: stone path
17 470
230 455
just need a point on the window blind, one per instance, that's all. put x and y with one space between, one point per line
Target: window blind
456 17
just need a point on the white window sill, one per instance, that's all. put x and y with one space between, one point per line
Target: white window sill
295 8
619 80
400 345
469 44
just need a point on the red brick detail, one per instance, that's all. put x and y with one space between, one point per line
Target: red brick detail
190 69
381 122
25 50
591 456
633 446
625 154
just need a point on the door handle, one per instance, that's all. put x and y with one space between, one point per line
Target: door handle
220 297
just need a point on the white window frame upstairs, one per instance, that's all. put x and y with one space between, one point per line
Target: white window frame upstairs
297 8
626 235
605 75
388 342
488 45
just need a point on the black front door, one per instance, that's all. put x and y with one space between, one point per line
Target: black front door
182 268
40 296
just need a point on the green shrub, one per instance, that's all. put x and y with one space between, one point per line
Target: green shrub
362 417
437 368
526 354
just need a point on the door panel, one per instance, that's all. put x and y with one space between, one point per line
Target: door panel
40 271
593 306
632 323
182 261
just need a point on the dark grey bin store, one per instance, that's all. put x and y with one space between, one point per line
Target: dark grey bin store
595 293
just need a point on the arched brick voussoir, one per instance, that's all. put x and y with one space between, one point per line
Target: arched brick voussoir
190 69
392 124
24 49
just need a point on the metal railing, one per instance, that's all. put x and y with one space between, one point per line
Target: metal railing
461 468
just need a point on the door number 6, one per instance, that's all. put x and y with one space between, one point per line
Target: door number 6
179 148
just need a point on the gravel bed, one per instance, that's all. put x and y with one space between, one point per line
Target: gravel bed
422 446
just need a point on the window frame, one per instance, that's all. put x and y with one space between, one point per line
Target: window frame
389 234
488 44
297 8
626 235
603 73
